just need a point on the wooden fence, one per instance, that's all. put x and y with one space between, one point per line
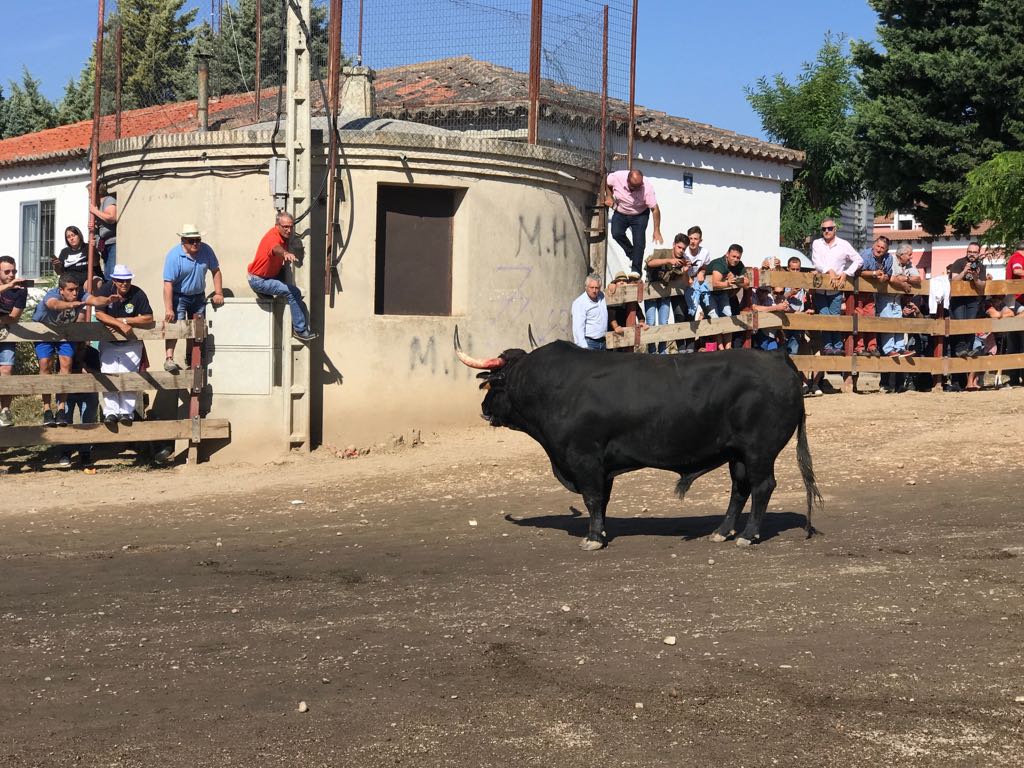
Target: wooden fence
849 323
187 384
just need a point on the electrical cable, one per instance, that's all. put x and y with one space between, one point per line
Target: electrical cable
283 69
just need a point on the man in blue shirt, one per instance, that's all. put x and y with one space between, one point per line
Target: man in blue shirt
590 316
876 264
185 271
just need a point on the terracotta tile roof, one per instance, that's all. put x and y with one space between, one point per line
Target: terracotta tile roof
460 85
69 141
898 235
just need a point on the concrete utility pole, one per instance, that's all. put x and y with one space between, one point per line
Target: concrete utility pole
297 358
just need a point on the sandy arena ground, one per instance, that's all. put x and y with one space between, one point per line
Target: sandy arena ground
431 607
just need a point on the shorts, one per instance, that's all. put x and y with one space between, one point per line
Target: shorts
44 349
187 306
7 349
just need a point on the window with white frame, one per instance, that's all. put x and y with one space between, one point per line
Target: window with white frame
37 233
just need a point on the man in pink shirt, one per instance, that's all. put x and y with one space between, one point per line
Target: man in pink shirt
837 260
633 201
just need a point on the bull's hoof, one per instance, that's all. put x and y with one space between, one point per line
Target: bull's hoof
717 537
589 545
741 542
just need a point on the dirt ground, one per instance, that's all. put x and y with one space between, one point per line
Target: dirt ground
431 607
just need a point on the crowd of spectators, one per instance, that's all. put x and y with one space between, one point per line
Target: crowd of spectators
112 298
719 287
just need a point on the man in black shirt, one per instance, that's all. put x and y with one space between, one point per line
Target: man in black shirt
129 307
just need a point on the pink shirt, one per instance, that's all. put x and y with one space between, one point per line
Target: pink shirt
628 201
838 257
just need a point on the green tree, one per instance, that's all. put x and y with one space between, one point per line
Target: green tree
233 47
3 114
813 114
76 104
27 110
157 54
946 95
995 192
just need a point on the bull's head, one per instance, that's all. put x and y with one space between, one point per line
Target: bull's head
497 407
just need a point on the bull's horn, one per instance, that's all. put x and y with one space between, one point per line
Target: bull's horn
472 362
533 341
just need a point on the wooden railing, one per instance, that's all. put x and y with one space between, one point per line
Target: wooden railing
188 384
849 323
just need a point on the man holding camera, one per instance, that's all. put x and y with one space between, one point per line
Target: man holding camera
970 269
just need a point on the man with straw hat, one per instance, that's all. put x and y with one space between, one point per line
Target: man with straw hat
185 269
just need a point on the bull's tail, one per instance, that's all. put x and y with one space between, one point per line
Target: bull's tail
803 457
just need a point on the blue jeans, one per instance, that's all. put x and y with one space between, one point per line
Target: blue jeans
109 258
637 226
963 308
274 287
87 403
697 296
890 342
656 312
595 343
719 304
830 304
189 305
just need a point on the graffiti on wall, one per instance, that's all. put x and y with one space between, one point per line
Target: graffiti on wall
536 239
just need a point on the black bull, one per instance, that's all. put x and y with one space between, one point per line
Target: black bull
600 414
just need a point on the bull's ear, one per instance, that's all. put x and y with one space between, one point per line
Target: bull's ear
483 374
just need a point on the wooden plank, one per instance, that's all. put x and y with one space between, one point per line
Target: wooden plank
95 382
781 278
675 331
184 329
627 293
916 364
931 326
140 431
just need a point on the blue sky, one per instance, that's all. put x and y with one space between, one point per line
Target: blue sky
694 56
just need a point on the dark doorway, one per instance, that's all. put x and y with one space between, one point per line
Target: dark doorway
414 250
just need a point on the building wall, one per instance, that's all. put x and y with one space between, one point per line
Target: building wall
732 199
520 255
66 183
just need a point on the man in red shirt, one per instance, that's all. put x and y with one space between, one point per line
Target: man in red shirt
267 268
1015 339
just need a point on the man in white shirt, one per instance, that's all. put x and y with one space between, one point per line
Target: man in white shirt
835 258
590 316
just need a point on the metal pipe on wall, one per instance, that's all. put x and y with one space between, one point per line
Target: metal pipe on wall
604 103
259 55
632 91
333 86
359 50
536 32
203 102
94 142
117 82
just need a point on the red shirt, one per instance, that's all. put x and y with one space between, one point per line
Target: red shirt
1017 258
266 264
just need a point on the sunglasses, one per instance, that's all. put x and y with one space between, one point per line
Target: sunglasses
191 240
828 229
120 280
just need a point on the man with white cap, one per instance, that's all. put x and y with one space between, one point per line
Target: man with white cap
128 307
185 271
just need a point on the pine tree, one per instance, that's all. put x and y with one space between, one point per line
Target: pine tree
76 104
27 110
157 55
3 114
946 95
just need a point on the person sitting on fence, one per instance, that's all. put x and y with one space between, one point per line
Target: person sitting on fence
128 308
633 201
772 300
266 274
837 260
590 316
903 276
662 270
696 293
728 276
876 263
1014 340
62 305
86 403
185 269
13 296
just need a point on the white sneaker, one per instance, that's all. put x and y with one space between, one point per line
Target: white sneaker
6 417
